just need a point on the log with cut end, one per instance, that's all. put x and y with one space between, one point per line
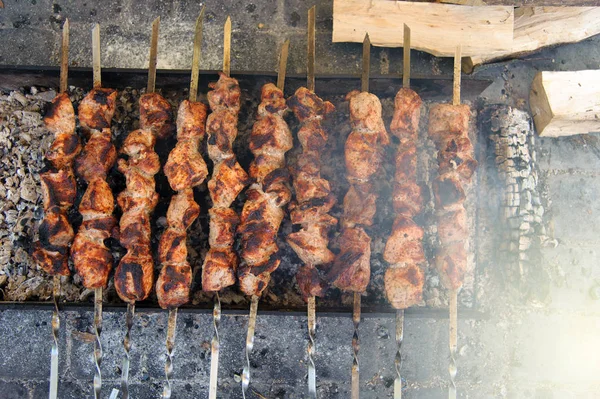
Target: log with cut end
539 27
566 103
436 28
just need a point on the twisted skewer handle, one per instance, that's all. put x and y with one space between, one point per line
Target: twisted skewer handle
97 343
214 349
53 392
170 344
398 359
355 347
312 322
127 347
249 344
452 369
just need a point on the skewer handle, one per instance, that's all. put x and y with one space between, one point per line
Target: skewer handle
356 347
127 346
196 56
214 349
310 49
64 57
153 56
398 359
283 64
312 323
457 76
453 334
249 344
366 63
227 47
97 342
96 60
406 58
53 391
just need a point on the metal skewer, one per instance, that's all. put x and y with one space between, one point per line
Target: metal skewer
400 312
131 305
97 73
357 299
53 390
172 323
311 308
249 344
453 296
215 344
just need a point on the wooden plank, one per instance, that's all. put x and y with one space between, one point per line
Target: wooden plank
435 28
538 27
566 103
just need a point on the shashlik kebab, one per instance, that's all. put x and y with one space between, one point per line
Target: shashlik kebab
185 169
404 278
449 130
134 276
363 151
91 257
313 199
263 210
59 189
227 182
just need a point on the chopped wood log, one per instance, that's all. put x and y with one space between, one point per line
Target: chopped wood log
538 27
566 103
436 28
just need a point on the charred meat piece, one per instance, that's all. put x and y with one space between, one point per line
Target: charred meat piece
314 199
263 210
227 181
97 109
351 270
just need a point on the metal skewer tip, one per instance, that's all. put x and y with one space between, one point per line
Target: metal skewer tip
214 348
196 57
227 47
356 347
53 391
153 56
312 323
453 334
310 49
127 346
283 56
96 61
97 342
249 343
398 358
64 57
170 345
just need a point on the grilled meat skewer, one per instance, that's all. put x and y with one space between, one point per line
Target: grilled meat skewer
185 169
314 199
263 211
227 181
